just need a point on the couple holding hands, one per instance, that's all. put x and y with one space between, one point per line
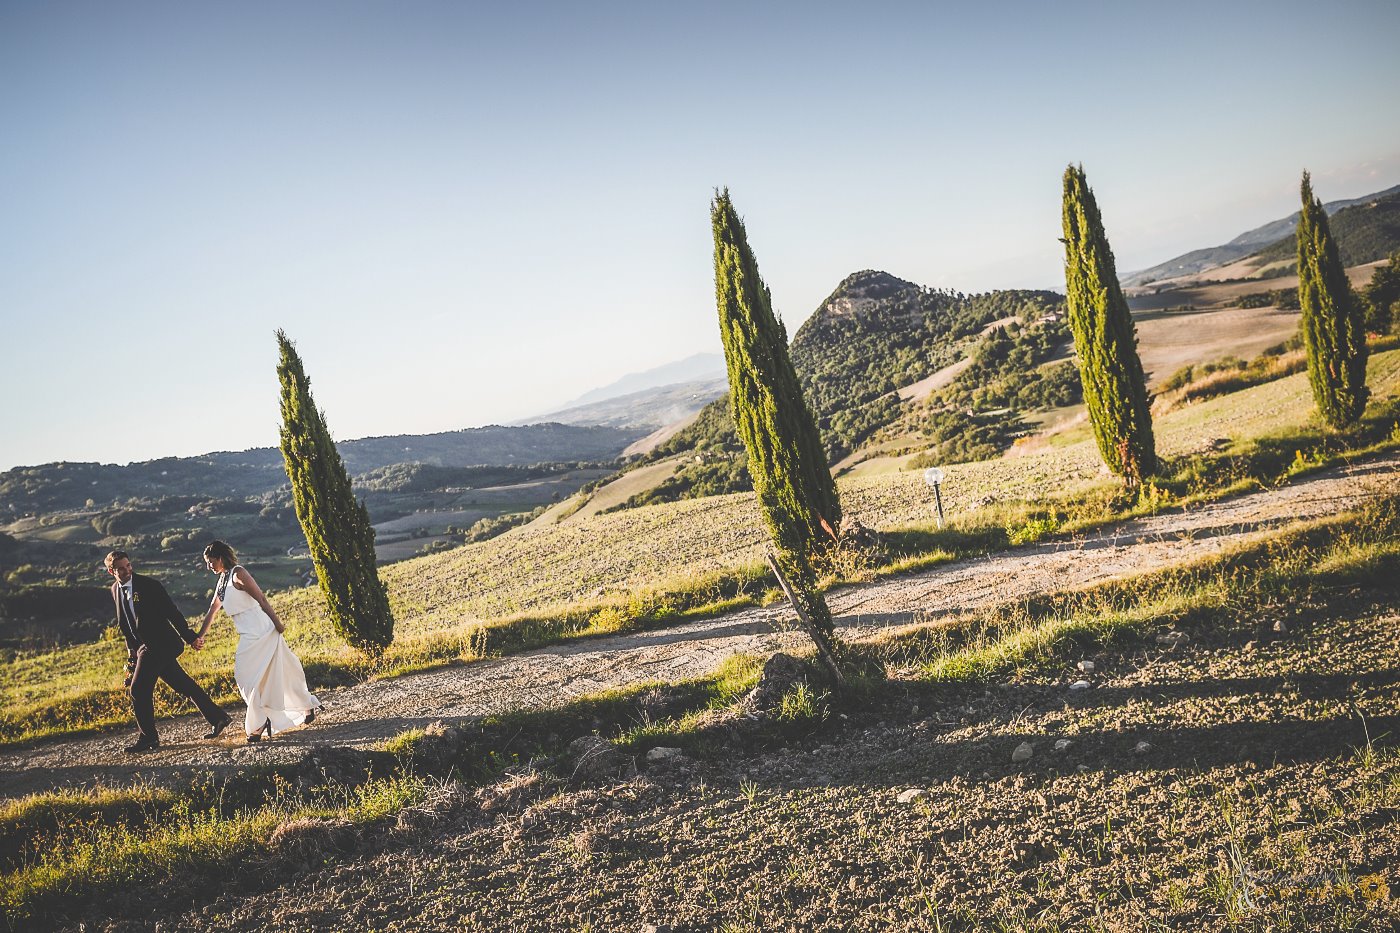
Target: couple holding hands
269 676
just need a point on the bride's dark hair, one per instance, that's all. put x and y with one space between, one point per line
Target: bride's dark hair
221 552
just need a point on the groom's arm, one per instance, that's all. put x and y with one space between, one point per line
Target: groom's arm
175 617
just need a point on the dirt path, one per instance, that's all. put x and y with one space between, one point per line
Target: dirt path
369 713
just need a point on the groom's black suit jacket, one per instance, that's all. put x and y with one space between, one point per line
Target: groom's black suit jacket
158 625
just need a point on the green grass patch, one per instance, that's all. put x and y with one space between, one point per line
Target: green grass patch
84 844
1310 562
404 744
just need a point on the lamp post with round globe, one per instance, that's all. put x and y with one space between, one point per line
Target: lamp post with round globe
934 477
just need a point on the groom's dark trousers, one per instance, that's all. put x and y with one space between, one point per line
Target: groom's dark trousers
156 634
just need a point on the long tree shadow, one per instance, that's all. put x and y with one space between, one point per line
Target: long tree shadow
1305 686
988 757
180 762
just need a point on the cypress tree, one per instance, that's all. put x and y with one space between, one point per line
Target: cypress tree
1333 321
335 523
796 492
1105 339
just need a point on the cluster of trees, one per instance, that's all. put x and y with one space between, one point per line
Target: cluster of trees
962 436
1009 371
483 529
707 473
782 443
123 521
711 430
979 414
1332 330
1283 298
428 477
849 364
148 520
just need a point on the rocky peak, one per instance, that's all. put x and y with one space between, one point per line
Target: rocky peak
861 291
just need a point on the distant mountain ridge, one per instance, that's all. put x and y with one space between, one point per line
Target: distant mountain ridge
1364 232
1246 244
237 474
648 408
698 367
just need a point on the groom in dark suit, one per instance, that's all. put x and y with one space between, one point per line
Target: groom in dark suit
156 634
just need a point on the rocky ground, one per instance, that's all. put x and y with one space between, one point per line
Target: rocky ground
1239 778
369 713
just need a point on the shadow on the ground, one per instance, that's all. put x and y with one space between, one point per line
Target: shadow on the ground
1262 744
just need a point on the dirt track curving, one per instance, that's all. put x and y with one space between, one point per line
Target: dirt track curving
369 713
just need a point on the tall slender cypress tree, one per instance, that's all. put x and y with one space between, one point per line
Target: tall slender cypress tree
1333 321
796 491
1105 339
335 523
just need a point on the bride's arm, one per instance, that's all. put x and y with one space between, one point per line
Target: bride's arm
209 616
245 582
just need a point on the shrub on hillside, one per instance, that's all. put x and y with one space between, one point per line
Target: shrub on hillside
123 521
1197 382
707 474
1285 299
965 436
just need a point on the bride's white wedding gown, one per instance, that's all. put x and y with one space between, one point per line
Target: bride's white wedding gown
269 676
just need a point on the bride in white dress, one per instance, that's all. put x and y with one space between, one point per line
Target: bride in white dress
269 676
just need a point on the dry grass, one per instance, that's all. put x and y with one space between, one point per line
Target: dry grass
1167 342
650 565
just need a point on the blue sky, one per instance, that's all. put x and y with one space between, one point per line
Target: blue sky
467 213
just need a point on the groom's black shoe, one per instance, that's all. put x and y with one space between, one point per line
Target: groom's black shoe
216 729
143 744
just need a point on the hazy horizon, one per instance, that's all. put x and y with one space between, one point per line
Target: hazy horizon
467 214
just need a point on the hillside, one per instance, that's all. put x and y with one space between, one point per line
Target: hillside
1012 371
1028 751
1014 647
1265 236
422 491
552 581
873 336
876 334
1364 232
226 474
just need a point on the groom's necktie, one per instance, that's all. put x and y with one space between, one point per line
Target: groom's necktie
130 606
